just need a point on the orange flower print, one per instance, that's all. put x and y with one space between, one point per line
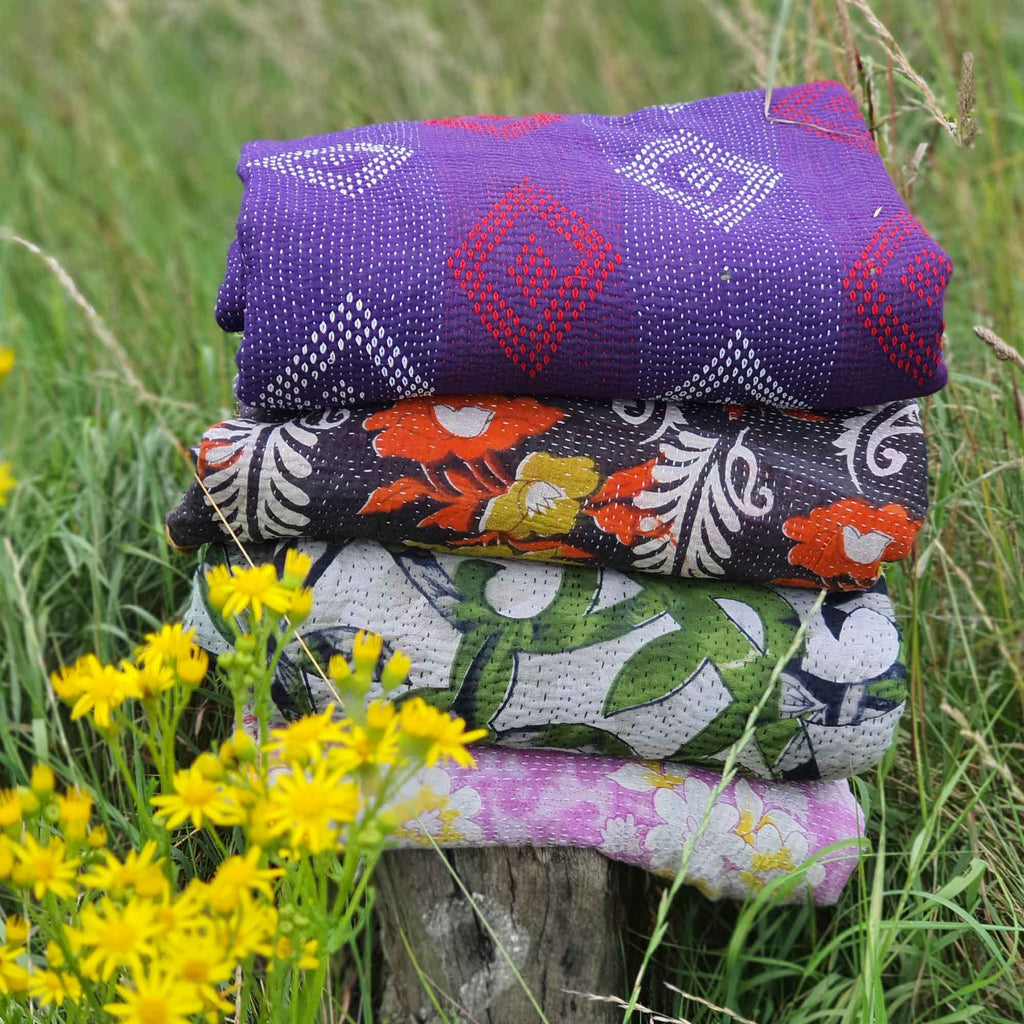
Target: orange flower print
612 508
851 538
429 430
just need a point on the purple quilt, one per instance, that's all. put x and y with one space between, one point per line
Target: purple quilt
693 251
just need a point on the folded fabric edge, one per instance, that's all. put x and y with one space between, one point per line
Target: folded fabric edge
843 526
785 840
812 733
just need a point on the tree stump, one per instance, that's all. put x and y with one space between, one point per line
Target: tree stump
559 913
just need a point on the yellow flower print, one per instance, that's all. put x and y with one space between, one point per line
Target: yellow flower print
437 812
544 499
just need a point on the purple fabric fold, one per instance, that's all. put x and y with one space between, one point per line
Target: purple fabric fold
695 251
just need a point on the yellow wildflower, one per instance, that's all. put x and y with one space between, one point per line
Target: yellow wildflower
182 912
376 744
6 361
258 828
6 857
50 987
67 681
117 937
97 837
218 586
396 671
16 930
337 668
42 781
381 716
45 868
75 807
54 954
209 766
157 998
296 568
199 960
192 667
150 679
165 646
437 734
244 745
237 875
28 800
284 949
244 786
10 808
240 747
248 589
309 960
103 692
310 805
7 481
306 738
13 977
249 930
301 606
198 799
139 872
366 650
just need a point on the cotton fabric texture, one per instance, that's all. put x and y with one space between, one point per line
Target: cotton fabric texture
643 812
599 662
743 493
698 251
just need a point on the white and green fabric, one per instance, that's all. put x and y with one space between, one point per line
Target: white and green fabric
597 661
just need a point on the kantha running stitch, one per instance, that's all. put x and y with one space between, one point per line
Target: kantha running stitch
741 493
599 662
694 251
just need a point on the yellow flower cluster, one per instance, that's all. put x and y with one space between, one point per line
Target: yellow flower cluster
7 480
299 820
123 919
238 590
168 657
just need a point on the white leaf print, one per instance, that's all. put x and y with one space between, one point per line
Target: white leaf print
898 418
255 472
702 495
635 412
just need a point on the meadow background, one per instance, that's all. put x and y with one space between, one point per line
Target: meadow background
121 124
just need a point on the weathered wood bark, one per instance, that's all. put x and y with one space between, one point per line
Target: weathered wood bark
559 913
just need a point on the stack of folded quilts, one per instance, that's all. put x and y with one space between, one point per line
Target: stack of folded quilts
580 412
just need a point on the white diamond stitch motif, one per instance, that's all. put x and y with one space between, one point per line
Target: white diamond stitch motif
351 323
708 185
349 168
734 374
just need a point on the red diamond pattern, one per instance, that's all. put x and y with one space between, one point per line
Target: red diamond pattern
829 118
511 267
499 127
924 273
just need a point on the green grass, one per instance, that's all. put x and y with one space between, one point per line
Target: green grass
121 125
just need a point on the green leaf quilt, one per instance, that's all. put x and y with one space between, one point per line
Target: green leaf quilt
598 661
